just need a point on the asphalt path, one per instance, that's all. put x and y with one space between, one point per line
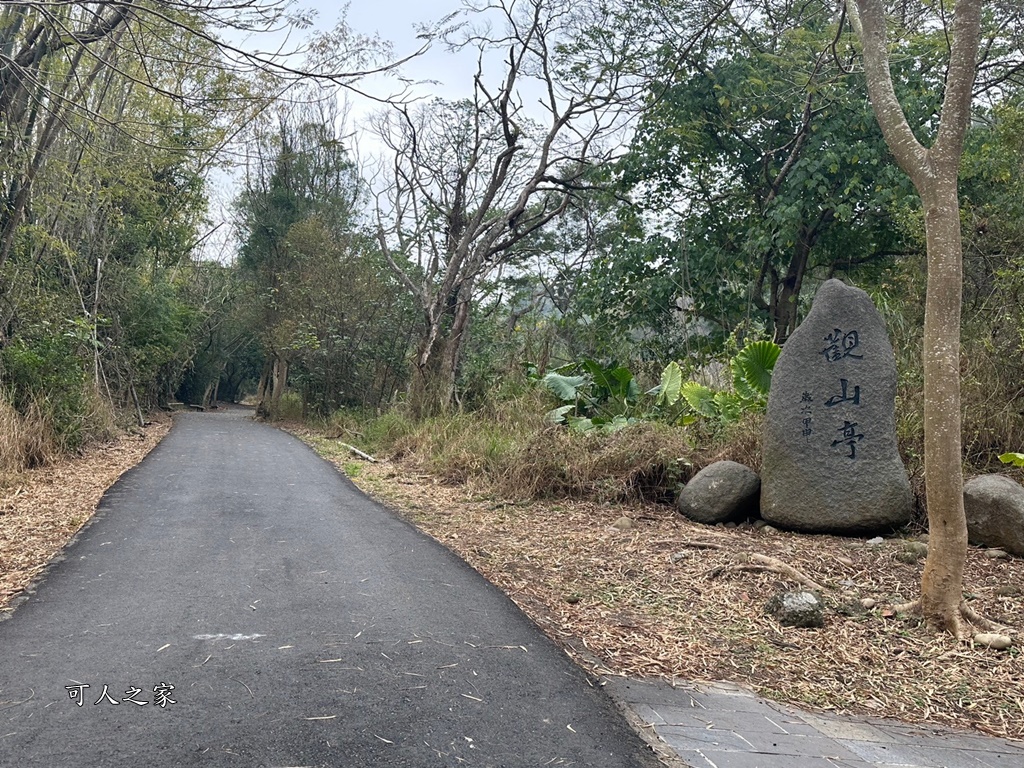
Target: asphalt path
299 623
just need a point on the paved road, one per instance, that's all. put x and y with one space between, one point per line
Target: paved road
299 624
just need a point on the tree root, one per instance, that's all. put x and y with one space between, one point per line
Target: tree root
754 562
982 622
694 544
968 618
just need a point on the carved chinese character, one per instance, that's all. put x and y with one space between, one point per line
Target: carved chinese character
844 398
850 437
841 345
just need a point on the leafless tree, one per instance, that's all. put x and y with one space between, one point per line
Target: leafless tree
462 183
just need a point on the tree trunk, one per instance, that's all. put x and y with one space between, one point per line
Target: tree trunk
279 380
942 583
436 365
786 303
206 395
261 390
432 382
934 172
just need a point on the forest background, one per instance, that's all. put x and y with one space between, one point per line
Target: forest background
627 185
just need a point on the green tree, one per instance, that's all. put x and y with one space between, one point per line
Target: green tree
931 157
758 162
330 311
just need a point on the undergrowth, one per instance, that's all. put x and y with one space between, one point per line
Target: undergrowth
29 437
509 448
26 439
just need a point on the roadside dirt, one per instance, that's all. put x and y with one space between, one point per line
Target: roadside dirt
673 599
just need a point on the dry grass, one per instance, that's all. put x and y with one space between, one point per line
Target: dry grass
42 508
647 602
644 462
26 441
515 452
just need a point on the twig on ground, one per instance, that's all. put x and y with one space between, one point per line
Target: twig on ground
358 453
751 561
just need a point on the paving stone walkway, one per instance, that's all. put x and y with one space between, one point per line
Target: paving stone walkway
725 726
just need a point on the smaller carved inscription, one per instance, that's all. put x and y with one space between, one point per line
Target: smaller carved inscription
805 414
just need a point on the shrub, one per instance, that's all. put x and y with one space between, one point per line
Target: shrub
289 407
45 379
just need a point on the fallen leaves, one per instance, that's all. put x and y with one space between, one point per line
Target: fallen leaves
664 598
42 509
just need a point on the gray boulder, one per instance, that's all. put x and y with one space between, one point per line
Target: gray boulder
829 457
797 609
995 513
720 493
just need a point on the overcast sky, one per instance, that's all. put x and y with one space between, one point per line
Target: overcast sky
392 20
397 21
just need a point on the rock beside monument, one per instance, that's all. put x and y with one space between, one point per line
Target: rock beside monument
797 609
721 492
830 461
995 513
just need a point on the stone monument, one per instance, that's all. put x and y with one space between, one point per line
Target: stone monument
829 458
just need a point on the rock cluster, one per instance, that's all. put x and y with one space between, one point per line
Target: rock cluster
995 513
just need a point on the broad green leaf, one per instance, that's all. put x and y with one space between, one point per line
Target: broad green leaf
580 424
670 389
699 398
729 406
616 424
753 366
616 381
557 415
565 387
1017 459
